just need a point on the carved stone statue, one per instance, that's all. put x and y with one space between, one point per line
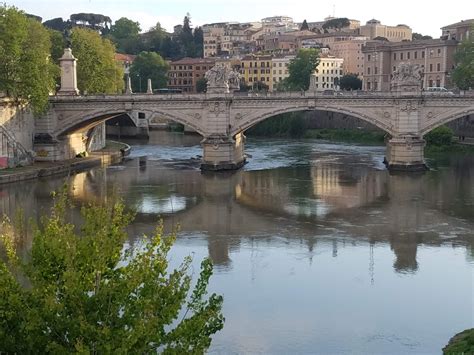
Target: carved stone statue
220 79
234 80
407 77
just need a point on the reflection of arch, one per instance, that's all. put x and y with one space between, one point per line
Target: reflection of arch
451 117
360 115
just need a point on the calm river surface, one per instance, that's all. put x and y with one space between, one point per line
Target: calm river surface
317 248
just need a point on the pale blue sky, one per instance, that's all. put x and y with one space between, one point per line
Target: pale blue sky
171 12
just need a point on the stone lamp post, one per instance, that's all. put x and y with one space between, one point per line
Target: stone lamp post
68 74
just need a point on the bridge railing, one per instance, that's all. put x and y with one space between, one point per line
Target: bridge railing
260 95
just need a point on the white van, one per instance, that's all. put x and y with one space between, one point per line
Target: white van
438 90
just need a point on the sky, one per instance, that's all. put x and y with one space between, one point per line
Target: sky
425 17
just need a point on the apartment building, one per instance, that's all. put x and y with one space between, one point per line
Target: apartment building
436 58
257 68
328 72
184 73
280 69
374 28
227 39
350 50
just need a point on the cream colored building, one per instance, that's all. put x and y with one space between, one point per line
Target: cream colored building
374 28
327 73
257 68
435 56
280 69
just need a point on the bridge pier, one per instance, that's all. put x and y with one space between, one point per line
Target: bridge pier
406 153
223 153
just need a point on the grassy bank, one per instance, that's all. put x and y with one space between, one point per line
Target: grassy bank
347 135
433 150
462 343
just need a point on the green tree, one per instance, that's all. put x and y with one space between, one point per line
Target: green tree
201 85
304 26
57 45
26 72
440 136
463 74
90 292
300 70
418 36
97 71
149 65
125 34
186 38
350 82
336 23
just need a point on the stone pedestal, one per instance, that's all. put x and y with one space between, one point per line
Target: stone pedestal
68 74
406 153
223 153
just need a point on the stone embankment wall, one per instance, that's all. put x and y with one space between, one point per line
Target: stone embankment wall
16 134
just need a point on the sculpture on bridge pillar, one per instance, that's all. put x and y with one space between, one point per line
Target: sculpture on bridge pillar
407 78
221 78
68 74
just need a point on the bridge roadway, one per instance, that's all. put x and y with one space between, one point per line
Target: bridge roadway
223 118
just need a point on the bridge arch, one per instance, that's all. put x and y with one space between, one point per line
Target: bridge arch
452 116
260 117
93 118
90 120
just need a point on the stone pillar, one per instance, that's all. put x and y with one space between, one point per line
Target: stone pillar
68 74
223 153
149 89
406 153
128 85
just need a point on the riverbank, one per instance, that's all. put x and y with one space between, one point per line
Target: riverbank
113 153
347 135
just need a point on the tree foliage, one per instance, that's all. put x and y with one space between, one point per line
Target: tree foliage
90 292
300 70
336 23
97 71
440 136
96 22
201 85
26 72
350 82
463 74
418 36
57 24
149 65
125 34
304 26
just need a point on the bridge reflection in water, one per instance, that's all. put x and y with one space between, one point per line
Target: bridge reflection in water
323 202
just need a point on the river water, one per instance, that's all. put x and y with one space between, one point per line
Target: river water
317 248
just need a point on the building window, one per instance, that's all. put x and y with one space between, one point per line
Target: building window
422 54
368 71
368 57
401 56
408 55
438 82
416 55
438 67
394 56
430 83
431 68
439 51
394 68
368 85
375 70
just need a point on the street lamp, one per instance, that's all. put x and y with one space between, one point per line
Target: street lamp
139 82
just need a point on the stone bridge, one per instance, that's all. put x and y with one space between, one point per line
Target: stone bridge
223 119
